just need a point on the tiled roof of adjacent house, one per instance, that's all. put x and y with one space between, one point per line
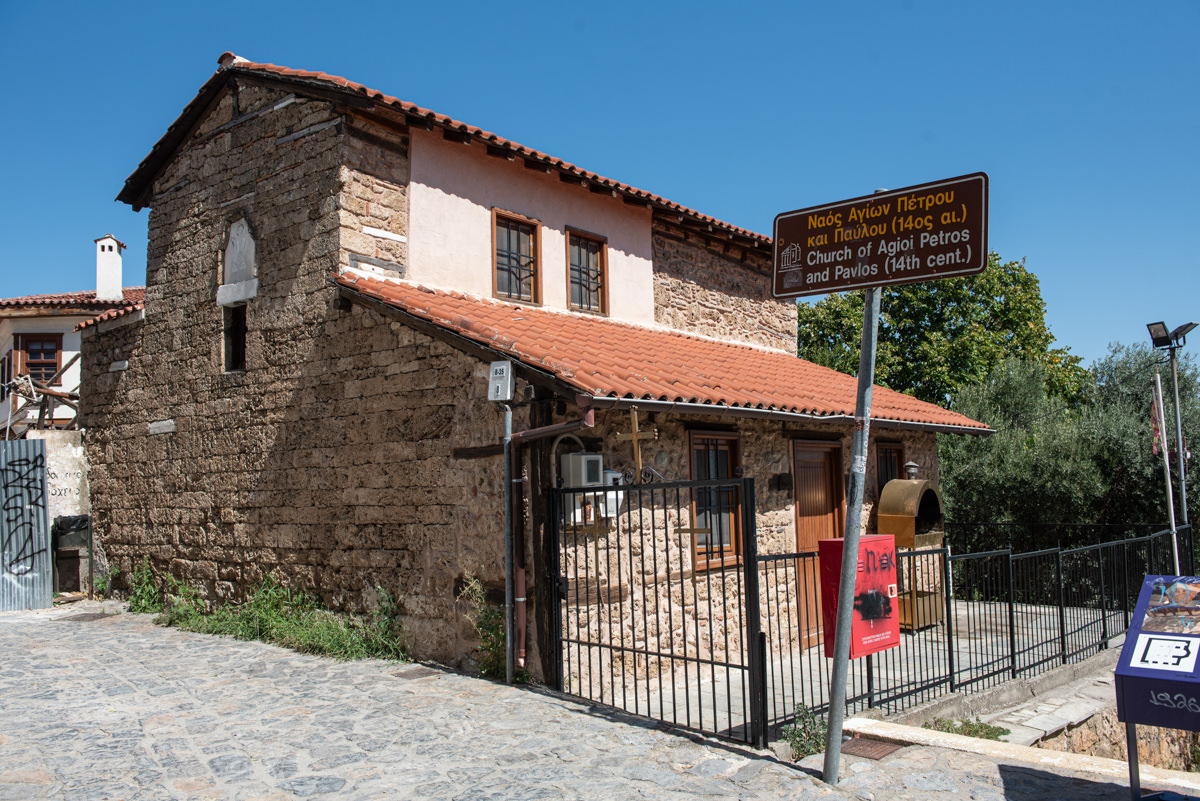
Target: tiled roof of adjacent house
619 361
111 314
133 294
138 184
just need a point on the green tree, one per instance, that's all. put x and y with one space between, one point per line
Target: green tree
1041 466
936 337
1054 461
1120 408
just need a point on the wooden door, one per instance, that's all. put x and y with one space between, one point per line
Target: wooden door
818 493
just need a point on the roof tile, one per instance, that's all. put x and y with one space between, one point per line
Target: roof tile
607 358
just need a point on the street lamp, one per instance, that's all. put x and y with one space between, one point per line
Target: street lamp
1171 342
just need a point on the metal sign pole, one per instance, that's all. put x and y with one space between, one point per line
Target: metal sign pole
1162 428
1183 510
510 654
854 505
1135 781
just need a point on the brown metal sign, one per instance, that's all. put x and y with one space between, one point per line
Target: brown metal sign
934 230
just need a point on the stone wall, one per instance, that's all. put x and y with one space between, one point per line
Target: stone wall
700 288
328 460
373 210
351 486
1102 735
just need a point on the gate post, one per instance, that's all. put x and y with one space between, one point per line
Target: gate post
1103 603
555 578
755 642
1062 603
1012 615
947 578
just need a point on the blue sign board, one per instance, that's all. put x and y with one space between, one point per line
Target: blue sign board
1157 678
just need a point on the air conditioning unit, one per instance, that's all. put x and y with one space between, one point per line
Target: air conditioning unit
582 469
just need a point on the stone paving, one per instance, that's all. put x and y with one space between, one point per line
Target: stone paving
118 708
114 707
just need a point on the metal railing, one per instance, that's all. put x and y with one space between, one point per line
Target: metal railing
1006 615
668 612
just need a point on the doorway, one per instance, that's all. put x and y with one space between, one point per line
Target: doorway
820 514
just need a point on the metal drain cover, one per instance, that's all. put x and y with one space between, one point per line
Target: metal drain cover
871 749
416 672
85 617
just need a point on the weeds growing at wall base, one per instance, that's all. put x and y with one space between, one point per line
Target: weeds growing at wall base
488 621
275 614
144 596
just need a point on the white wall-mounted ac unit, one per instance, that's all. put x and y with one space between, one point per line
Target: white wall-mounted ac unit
582 469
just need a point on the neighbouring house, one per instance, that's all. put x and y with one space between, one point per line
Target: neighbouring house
40 387
330 273
39 345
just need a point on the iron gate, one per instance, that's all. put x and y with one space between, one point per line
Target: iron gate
25 559
653 582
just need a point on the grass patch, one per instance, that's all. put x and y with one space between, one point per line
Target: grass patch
971 728
806 735
275 614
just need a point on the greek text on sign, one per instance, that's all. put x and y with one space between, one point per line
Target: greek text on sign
934 230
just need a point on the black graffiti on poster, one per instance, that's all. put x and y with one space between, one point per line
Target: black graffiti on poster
24 490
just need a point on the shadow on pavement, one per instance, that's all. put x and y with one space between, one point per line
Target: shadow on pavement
1022 783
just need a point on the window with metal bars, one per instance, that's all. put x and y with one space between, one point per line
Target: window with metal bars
516 259
890 459
716 510
586 259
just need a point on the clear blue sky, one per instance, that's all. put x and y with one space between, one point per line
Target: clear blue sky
1085 115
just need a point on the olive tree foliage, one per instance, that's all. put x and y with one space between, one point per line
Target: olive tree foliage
1051 460
1039 466
936 337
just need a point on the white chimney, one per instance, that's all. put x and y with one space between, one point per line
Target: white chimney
108 268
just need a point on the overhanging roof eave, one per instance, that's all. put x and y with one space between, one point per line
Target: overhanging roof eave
722 410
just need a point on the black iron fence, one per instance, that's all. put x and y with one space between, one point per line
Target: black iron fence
656 582
968 621
653 581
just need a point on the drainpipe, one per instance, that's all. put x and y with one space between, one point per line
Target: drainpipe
518 516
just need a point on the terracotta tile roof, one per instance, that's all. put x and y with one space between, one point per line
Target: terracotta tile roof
138 184
133 294
111 314
613 360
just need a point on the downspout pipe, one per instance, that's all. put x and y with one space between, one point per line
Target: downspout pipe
517 512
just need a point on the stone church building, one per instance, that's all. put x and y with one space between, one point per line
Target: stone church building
330 273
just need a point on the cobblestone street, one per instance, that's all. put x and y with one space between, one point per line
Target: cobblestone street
110 706
118 708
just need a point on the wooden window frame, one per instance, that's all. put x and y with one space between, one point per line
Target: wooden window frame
881 448
6 370
535 289
602 279
21 343
731 556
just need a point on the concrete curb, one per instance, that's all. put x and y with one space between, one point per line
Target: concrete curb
1008 752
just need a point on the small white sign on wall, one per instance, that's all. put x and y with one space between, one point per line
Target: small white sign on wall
500 382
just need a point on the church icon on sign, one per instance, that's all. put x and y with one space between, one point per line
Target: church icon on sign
790 256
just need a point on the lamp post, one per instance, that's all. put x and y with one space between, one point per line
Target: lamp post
1171 342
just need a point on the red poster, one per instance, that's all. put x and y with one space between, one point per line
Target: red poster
876 623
